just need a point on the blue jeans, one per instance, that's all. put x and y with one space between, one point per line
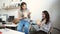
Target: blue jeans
25 24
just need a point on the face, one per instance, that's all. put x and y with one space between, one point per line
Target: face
43 15
24 7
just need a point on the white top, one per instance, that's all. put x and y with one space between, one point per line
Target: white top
24 13
44 27
9 31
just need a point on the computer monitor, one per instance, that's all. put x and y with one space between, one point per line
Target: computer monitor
11 18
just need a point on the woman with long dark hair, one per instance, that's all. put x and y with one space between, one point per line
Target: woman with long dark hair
45 16
45 24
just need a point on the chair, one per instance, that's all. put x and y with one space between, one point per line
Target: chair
51 29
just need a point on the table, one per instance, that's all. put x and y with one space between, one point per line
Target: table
9 31
10 25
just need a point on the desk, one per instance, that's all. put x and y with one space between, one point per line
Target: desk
9 31
10 25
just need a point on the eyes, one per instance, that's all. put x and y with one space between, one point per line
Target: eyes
24 6
43 14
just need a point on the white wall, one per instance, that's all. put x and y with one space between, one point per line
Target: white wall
56 14
10 12
52 6
37 6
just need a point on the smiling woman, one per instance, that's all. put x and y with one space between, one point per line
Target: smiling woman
43 26
24 18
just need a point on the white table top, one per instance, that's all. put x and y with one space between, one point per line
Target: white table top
9 31
9 25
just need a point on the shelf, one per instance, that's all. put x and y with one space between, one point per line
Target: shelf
10 8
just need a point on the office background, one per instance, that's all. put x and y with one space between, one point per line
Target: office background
36 8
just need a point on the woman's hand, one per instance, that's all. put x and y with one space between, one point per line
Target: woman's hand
25 14
38 22
18 18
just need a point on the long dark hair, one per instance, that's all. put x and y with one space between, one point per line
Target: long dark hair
23 3
47 16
